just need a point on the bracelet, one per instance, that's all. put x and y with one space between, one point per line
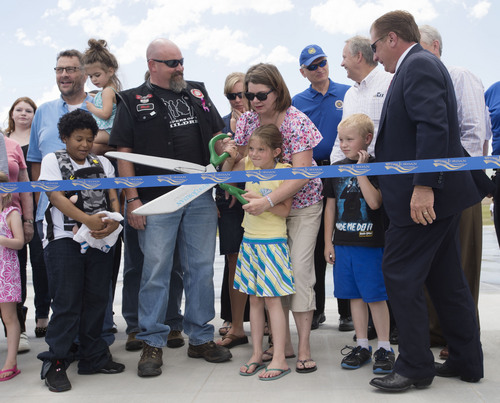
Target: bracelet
133 199
269 200
30 221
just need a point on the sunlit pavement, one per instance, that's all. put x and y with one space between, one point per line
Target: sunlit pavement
186 379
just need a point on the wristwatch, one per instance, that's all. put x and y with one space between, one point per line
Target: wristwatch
30 221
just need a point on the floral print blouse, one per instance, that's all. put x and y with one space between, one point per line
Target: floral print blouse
299 134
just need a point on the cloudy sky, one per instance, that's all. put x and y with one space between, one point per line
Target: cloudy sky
218 37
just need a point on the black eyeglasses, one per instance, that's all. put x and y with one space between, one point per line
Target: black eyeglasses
374 44
261 96
170 63
69 70
232 95
313 67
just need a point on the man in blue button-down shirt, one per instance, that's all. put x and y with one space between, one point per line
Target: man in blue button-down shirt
323 103
44 138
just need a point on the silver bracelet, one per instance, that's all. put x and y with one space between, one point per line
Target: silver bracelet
270 201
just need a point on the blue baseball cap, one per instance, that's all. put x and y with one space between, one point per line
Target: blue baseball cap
310 54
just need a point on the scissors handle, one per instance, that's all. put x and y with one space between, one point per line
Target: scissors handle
234 191
215 159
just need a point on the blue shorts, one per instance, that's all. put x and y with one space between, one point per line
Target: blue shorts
357 273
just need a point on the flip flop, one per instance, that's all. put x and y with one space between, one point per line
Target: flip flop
282 372
14 371
235 340
226 326
305 370
267 352
258 367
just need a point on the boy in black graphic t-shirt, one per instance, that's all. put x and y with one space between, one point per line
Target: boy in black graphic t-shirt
354 240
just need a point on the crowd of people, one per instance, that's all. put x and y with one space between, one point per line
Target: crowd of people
406 249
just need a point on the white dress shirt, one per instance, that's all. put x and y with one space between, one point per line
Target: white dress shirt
366 97
473 117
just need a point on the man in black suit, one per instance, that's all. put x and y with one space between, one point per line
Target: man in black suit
419 121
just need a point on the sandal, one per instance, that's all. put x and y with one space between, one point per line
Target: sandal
14 371
258 367
226 326
304 369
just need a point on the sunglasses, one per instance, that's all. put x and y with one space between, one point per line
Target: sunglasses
261 96
313 67
232 95
170 63
374 44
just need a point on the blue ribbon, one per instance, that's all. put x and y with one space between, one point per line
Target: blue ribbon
331 171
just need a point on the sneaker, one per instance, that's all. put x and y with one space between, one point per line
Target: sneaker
345 324
175 339
111 367
132 343
24 343
210 351
358 357
384 361
56 378
150 362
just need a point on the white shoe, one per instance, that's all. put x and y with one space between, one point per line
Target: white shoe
24 343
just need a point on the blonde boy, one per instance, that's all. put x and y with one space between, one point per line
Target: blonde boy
354 240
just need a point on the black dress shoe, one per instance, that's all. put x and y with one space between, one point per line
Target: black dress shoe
345 324
394 336
446 371
399 383
316 320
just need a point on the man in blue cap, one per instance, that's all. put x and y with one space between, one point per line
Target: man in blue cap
323 102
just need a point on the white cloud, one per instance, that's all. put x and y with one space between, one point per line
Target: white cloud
279 56
65 4
480 9
23 38
356 16
48 95
218 43
260 6
46 40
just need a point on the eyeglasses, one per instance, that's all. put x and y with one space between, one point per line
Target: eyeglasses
170 63
313 67
261 96
232 95
69 70
374 44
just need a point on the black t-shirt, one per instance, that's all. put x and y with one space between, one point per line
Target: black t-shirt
356 224
143 123
183 126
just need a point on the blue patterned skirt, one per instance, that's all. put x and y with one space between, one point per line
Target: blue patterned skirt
264 268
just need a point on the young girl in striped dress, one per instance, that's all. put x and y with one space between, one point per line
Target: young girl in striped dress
263 270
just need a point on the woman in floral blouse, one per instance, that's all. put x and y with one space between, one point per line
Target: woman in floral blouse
270 103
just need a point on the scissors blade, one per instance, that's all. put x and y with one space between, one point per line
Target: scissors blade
158 162
174 200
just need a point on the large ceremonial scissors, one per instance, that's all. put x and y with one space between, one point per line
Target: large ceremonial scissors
184 194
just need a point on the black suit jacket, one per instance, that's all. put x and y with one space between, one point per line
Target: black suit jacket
419 121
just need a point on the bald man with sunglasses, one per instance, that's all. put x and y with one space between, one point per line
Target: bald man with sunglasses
169 117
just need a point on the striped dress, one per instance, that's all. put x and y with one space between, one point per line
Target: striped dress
264 267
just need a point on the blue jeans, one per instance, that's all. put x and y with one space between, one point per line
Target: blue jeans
133 260
79 287
193 229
